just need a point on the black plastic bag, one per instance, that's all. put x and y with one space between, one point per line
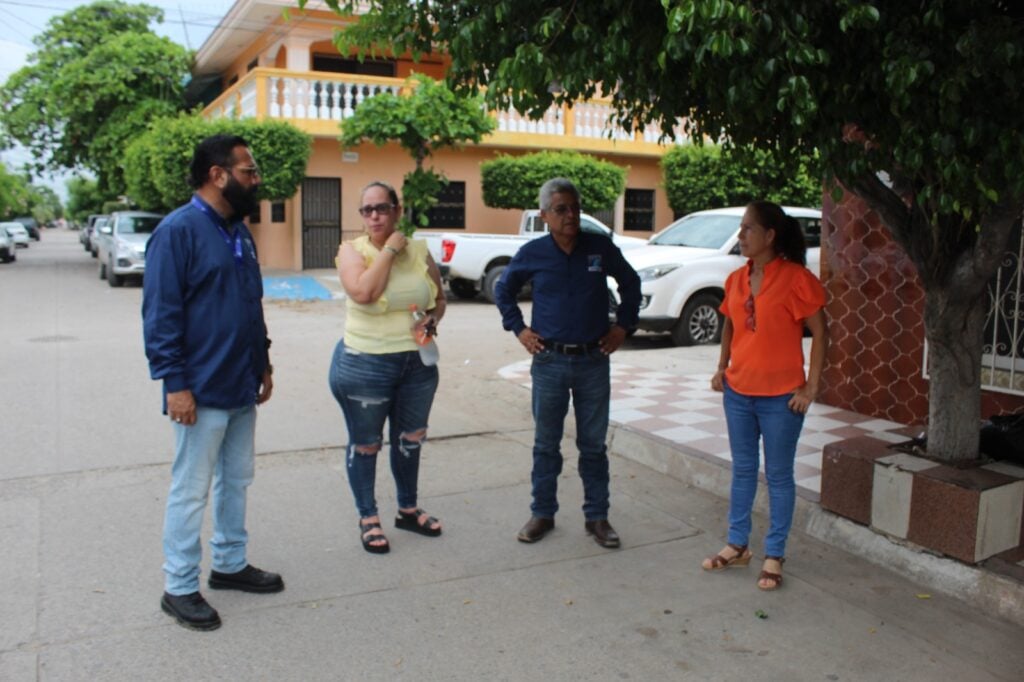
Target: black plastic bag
1002 437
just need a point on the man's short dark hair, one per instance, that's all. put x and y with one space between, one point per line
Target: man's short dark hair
216 150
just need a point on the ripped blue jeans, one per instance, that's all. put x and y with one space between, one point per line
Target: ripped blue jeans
374 388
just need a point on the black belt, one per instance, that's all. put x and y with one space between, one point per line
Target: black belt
572 348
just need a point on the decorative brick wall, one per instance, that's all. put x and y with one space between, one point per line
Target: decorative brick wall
875 312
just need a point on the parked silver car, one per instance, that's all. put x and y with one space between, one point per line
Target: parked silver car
121 244
8 249
18 233
85 236
94 235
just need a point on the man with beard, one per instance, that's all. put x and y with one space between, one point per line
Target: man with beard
207 341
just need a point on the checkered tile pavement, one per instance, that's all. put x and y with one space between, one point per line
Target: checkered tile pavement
683 409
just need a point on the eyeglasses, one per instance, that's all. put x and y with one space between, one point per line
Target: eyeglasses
562 209
381 209
751 314
251 171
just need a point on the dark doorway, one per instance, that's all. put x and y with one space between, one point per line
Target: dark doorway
321 222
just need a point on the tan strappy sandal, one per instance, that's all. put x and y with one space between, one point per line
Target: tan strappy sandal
717 562
774 580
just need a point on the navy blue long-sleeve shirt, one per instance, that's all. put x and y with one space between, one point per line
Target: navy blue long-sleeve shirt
202 310
570 291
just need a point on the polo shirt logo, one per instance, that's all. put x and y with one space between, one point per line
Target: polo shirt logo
594 263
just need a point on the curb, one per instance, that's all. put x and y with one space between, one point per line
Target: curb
982 589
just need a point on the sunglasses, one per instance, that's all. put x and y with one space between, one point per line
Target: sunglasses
381 209
751 314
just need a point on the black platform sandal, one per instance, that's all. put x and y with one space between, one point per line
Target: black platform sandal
366 539
411 521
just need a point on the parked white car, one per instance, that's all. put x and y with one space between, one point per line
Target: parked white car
121 245
683 270
18 233
8 249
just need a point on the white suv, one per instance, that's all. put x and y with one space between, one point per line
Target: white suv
683 270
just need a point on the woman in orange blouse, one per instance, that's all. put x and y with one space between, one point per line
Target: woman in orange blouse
761 372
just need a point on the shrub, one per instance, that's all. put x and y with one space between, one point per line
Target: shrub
709 176
156 163
515 181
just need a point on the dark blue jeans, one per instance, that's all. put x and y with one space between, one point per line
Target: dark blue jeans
371 389
585 378
750 420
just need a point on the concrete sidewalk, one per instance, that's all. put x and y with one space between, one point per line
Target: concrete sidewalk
83 480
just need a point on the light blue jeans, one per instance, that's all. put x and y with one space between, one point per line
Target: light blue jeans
555 378
218 448
750 420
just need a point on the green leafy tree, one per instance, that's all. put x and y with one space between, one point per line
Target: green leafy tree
97 76
84 198
15 197
45 204
156 162
515 181
914 107
699 177
430 117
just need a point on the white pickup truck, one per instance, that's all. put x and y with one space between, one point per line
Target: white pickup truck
472 263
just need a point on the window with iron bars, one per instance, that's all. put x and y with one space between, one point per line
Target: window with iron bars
1002 362
450 210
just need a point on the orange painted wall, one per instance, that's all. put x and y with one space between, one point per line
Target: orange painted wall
274 241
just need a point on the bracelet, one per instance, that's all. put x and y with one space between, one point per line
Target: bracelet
392 250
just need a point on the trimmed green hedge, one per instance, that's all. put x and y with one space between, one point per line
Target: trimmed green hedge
156 162
515 181
708 176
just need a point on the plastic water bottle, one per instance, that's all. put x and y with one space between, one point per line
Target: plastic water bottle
424 336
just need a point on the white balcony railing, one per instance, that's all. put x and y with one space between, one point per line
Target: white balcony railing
319 98
335 97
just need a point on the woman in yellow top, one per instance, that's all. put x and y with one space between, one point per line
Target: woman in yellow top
376 372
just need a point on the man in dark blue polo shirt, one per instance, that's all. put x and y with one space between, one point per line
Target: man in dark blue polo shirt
206 339
570 340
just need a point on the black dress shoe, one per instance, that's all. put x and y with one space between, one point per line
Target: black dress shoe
191 611
603 533
249 579
535 529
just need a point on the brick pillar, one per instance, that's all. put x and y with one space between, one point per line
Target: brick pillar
875 312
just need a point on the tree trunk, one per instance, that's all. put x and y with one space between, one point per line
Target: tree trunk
955 273
954 327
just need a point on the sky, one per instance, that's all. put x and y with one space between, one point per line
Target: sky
187 22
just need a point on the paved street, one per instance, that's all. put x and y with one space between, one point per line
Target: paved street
84 469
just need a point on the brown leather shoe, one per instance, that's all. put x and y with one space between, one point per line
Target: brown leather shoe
603 533
535 529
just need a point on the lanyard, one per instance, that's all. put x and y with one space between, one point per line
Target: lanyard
234 244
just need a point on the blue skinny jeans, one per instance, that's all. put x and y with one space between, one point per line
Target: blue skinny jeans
371 389
751 420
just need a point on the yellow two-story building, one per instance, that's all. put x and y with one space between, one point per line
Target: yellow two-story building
267 60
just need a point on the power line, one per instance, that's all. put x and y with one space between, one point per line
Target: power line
200 20
28 23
